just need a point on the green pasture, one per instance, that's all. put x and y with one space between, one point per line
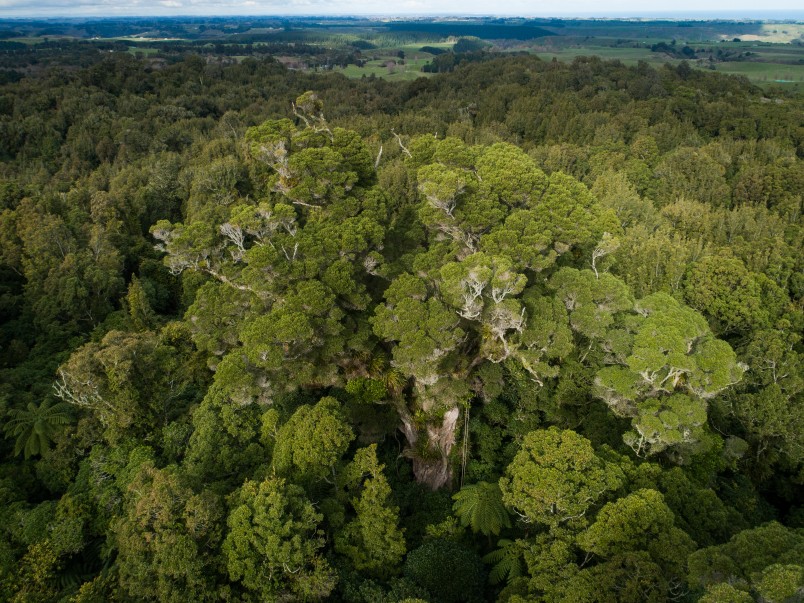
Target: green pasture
380 68
766 74
33 40
380 59
781 65
628 56
145 50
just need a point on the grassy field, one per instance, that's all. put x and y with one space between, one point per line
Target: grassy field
781 33
387 64
768 64
31 41
767 74
384 69
144 50
628 56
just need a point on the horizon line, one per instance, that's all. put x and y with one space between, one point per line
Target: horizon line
696 15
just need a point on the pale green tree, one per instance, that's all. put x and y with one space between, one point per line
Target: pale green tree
640 521
556 477
273 546
312 441
674 365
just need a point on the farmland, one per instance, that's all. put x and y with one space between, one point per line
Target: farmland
766 53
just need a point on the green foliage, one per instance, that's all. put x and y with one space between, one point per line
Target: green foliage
424 329
372 540
35 576
725 290
163 535
311 443
694 174
672 350
224 438
666 422
139 307
552 221
35 426
591 300
132 382
550 562
725 593
640 521
506 561
481 273
273 545
767 405
449 571
556 477
769 553
627 578
510 174
480 507
698 510
781 582
366 390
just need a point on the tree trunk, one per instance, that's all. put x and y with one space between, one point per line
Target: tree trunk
433 472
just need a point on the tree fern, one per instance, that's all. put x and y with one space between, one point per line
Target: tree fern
480 507
393 378
505 561
35 426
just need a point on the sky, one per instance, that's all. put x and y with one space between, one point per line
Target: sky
773 9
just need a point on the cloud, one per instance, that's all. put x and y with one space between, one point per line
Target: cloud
116 8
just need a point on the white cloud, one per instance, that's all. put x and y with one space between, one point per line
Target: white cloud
75 8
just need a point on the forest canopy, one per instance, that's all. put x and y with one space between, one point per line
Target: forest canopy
526 331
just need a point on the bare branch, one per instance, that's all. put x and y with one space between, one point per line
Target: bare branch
402 146
235 234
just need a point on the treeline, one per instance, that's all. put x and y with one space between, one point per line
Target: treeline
712 53
490 30
524 331
180 27
16 58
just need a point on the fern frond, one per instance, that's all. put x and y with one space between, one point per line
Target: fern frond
34 426
505 561
480 507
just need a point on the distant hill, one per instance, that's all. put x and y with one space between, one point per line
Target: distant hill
485 31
